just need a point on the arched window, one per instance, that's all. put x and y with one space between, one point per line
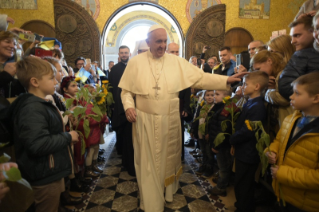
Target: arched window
131 23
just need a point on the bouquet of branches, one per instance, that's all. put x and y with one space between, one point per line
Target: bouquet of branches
263 141
101 99
234 111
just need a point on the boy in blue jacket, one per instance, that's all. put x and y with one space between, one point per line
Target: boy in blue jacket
42 147
244 140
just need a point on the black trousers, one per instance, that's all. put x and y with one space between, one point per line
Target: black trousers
119 139
245 186
127 148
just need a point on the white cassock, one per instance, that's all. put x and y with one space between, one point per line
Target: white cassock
157 131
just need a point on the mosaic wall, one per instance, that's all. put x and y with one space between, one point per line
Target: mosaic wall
44 12
260 29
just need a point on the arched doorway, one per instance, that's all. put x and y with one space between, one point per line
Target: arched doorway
237 39
132 18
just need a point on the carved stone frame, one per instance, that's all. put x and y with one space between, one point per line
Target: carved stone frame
79 35
208 28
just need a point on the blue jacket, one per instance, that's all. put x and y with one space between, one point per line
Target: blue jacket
302 62
244 140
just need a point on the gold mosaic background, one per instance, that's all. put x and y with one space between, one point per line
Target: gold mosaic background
45 12
282 13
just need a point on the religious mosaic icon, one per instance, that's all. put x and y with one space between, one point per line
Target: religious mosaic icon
254 9
91 6
19 4
195 7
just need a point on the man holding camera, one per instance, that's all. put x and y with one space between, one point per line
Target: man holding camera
227 65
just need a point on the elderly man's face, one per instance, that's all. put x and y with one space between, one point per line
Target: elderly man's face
211 62
157 42
252 48
173 48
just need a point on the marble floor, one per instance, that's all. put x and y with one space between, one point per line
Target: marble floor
116 191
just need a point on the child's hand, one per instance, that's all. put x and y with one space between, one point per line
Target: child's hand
232 151
214 150
206 137
274 170
75 136
272 157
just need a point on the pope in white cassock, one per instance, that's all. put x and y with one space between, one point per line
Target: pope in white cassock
150 86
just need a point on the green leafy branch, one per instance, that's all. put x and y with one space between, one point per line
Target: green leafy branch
18 186
263 140
230 106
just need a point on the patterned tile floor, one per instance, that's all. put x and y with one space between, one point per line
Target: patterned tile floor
116 191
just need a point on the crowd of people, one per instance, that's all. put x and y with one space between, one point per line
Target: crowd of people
237 116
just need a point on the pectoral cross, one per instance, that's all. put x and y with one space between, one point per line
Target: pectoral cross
156 88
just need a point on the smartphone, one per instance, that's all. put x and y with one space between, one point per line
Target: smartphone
238 60
38 37
27 37
207 47
88 61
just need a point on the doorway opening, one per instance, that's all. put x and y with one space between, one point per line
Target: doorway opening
130 23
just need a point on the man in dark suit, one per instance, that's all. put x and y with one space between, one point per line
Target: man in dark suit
123 128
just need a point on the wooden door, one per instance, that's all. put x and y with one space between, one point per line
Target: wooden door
77 31
208 28
238 39
39 27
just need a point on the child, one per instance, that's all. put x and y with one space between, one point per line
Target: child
208 157
69 89
58 100
296 147
42 147
224 159
244 140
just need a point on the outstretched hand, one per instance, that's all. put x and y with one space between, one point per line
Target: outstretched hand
236 77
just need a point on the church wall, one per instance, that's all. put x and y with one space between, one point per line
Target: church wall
45 12
282 13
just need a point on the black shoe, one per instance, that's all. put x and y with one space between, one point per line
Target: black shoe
218 192
208 173
66 199
197 155
76 186
189 142
216 175
193 151
90 173
101 159
200 170
86 180
101 151
63 209
95 167
215 180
